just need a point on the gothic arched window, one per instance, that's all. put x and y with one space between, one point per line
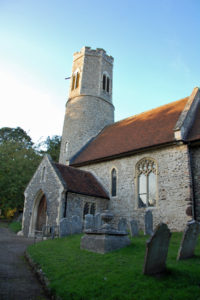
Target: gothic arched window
86 209
106 83
92 209
146 171
113 182
89 208
75 80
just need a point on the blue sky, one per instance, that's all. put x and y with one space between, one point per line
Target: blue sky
155 44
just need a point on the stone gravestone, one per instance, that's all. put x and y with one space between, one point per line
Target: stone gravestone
148 223
89 222
122 225
76 225
156 250
65 227
189 240
97 221
134 228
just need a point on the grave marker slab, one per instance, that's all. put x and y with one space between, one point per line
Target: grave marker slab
89 222
148 222
97 221
189 240
134 230
76 225
122 225
156 250
65 227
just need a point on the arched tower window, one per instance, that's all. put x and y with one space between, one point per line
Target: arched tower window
106 83
146 171
113 182
75 80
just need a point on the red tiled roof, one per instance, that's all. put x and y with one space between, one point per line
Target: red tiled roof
81 182
147 129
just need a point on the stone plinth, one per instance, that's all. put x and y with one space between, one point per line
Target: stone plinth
104 239
104 242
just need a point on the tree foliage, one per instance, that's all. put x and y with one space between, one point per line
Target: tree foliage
52 146
18 161
15 135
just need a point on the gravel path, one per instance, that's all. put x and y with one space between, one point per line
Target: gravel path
17 281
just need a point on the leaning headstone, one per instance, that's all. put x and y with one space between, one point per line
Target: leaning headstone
189 240
89 222
134 228
97 221
76 225
65 227
156 250
122 225
148 223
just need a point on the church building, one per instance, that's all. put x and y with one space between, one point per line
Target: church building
149 161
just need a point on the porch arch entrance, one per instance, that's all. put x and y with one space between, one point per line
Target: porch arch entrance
41 214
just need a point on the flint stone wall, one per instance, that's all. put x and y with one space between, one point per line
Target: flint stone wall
76 202
173 188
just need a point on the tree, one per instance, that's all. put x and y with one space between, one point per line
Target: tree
18 162
18 135
52 146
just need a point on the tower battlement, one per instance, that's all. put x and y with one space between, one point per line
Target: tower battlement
94 52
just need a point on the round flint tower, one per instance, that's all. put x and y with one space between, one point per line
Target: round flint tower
89 107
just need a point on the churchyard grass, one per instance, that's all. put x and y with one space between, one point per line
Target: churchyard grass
15 226
79 274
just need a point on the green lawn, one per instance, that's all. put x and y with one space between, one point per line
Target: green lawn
79 274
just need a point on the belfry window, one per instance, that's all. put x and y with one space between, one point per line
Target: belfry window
75 80
146 171
113 183
106 83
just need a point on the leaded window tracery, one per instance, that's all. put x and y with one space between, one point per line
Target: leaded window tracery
146 170
89 208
